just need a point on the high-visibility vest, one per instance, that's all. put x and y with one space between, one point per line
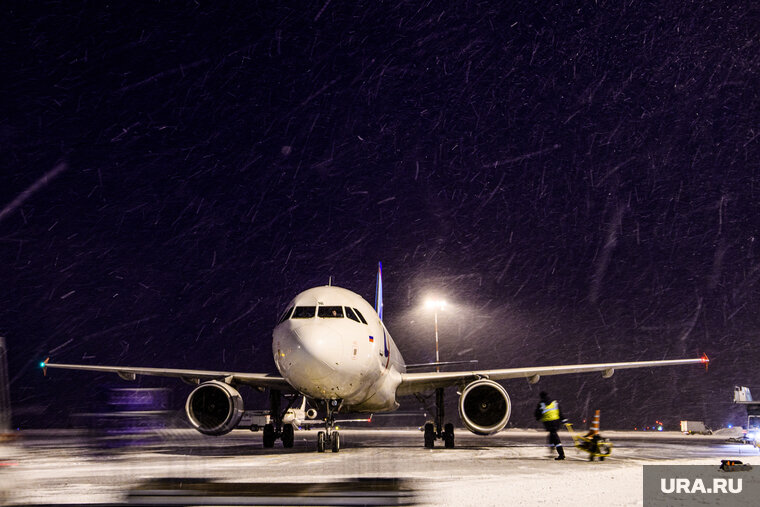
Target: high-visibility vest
549 412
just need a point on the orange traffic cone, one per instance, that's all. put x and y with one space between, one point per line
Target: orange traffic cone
594 429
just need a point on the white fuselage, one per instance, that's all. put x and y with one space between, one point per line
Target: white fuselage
337 353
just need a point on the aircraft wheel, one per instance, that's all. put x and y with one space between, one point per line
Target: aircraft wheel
429 436
269 436
335 441
448 436
288 436
321 441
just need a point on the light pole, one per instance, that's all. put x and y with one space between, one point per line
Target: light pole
436 305
437 431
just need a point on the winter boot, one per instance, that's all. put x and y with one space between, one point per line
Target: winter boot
561 453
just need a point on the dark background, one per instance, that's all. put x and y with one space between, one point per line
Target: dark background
578 179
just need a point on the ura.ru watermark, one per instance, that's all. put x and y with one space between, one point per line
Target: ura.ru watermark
716 485
731 484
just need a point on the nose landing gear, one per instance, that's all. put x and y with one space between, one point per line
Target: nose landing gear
329 438
325 440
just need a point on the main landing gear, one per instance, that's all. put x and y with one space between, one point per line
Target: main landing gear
329 438
276 429
438 430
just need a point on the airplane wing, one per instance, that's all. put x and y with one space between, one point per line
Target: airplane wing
418 382
256 380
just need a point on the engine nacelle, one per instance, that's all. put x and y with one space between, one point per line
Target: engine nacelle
214 408
311 413
484 407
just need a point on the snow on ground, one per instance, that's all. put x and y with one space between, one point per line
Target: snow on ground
513 467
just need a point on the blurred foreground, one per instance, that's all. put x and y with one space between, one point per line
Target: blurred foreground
375 467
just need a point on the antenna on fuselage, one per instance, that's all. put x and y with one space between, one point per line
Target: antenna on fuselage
329 282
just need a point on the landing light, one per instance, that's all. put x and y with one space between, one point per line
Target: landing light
42 364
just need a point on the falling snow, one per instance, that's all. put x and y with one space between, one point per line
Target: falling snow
580 182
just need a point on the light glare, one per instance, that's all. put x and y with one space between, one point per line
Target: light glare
439 304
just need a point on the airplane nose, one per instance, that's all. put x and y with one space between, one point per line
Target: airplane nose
314 357
308 353
321 343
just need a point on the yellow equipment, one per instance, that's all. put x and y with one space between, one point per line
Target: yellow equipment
592 442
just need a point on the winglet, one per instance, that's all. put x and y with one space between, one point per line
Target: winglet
705 361
43 365
379 291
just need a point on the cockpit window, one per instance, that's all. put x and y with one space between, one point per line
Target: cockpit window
351 315
285 315
330 312
304 312
361 317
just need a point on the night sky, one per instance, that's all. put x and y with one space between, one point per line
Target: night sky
579 180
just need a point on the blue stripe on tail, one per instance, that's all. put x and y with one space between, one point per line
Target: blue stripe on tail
379 291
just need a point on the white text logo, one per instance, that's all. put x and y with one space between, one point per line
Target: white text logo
719 485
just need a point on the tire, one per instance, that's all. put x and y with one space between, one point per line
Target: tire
321 441
269 436
288 436
429 436
448 436
335 441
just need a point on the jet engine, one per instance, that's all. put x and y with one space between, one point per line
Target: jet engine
214 408
484 407
311 413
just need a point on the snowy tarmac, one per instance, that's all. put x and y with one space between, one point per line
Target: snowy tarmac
510 468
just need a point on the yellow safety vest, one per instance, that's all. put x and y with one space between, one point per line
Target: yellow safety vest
549 412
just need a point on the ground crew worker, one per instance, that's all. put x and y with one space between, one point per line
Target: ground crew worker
549 413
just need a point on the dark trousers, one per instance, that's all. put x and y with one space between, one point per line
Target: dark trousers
554 441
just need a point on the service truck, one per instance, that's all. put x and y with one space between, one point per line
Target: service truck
694 428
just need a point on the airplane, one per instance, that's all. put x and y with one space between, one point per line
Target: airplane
304 418
300 417
331 346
